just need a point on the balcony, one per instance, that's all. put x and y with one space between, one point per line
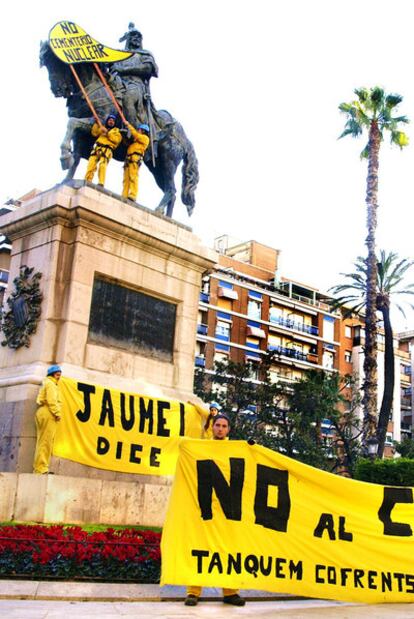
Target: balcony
204 297
289 352
406 402
291 324
202 329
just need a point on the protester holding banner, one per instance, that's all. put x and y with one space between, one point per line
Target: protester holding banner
214 410
47 417
109 138
220 432
135 154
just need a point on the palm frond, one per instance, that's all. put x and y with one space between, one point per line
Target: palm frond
362 94
351 128
390 275
399 138
392 100
377 97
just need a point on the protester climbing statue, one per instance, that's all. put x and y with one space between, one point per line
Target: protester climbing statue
98 81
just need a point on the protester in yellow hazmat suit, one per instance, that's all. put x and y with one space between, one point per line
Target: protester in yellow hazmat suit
220 430
47 417
133 160
207 416
109 138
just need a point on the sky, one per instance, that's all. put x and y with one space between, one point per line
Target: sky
256 86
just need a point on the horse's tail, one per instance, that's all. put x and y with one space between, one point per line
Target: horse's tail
190 176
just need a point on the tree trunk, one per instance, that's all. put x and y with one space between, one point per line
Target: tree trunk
369 400
389 377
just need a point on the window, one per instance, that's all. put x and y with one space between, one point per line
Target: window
254 369
220 357
348 356
328 360
252 342
223 330
254 309
275 313
328 328
222 347
274 340
348 331
226 291
225 304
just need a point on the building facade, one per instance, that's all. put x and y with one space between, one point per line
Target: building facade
247 309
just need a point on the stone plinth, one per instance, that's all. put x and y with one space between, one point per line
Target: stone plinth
61 499
73 234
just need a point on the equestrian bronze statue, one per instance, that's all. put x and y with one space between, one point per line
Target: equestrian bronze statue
128 84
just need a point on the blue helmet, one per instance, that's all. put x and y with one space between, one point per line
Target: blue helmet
110 116
215 405
53 369
144 127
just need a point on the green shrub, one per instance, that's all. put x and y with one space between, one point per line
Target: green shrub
398 472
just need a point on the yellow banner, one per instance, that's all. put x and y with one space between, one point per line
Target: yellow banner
247 517
117 431
71 44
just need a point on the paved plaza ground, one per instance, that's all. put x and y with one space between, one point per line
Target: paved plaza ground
53 609
79 600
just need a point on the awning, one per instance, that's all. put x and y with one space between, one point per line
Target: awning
256 332
227 293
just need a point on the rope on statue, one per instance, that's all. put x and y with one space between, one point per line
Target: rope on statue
85 94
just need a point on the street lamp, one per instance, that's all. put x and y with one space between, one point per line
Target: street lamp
372 447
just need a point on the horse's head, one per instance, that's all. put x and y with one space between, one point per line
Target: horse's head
60 77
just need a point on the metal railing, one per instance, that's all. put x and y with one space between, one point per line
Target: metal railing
289 352
292 324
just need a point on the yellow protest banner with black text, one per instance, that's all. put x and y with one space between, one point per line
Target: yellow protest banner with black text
243 516
71 44
118 431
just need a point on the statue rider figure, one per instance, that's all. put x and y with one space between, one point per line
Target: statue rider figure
136 73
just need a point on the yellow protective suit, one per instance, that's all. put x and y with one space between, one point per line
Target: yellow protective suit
108 140
133 159
47 417
197 591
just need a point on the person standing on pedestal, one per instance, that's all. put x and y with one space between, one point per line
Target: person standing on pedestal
47 417
135 154
108 139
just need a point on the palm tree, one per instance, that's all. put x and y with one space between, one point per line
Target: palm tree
391 271
372 111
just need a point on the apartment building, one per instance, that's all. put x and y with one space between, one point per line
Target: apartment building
400 425
406 372
247 309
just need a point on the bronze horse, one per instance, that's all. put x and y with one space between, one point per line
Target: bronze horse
171 145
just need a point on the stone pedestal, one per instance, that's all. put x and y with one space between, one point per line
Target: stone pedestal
74 234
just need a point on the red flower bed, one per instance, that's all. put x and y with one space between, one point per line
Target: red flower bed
71 552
